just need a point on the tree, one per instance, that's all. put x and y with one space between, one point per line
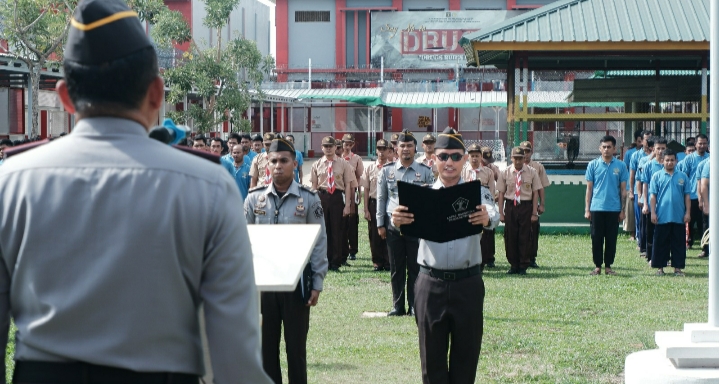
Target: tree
35 31
221 75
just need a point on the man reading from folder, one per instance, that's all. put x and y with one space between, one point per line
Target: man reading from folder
453 267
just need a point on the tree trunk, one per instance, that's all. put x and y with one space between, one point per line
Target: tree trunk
34 73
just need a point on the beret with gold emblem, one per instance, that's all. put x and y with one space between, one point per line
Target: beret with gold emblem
449 139
382 143
348 137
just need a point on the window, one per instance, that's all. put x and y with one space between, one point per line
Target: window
312 16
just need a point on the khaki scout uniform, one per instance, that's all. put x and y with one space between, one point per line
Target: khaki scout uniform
378 245
333 203
518 218
544 180
258 169
482 174
351 243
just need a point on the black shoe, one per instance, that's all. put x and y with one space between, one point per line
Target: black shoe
397 312
489 265
522 272
411 311
346 264
513 271
352 256
378 269
334 268
533 265
387 268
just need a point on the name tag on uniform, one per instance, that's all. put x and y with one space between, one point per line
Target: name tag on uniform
260 212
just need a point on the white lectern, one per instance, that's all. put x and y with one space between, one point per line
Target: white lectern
280 253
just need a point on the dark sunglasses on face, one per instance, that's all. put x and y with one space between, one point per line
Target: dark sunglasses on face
454 156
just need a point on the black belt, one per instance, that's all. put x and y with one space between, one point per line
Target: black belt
451 274
61 373
372 199
324 191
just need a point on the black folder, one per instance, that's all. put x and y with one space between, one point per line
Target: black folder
441 215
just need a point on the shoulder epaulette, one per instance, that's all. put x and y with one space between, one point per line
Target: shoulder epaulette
308 189
388 164
425 165
258 188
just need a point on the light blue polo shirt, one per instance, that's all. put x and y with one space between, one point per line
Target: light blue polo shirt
670 191
300 161
649 170
607 179
690 167
628 159
251 155
705 171
634 166
700 169
228 165
681 156
242 177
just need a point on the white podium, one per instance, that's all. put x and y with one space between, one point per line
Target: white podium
279 255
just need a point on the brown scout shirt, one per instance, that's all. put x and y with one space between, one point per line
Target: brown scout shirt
356 162
428 162
344 174
485 176
258 168
530 183
369 179
541 172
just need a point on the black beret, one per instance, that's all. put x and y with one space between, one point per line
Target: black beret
102 31
406 136
449 139
280 145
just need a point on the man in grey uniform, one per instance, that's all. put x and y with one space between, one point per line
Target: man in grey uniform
450 291
402 249
110 242
287 202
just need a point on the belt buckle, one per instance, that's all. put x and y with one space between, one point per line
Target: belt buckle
448 276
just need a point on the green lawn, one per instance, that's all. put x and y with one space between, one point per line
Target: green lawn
556 325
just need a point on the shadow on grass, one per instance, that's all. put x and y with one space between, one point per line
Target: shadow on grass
332 366
535 322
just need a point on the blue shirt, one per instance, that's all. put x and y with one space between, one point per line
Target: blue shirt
242 177
690 167
648 171
634 166
228 165
700 169
251 155
681 156
300 161
607 180
628 159
670 191
705 171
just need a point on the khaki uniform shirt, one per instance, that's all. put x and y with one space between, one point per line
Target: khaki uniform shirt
369 179
494 169
342 170
483 174
541 172
428 162
529 180
356 162
258 168
300 205
110 242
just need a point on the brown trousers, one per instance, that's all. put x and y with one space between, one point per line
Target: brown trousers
333 205
449 318
378 245
518 233
487 245
285 309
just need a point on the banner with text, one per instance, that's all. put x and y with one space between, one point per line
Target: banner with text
427 39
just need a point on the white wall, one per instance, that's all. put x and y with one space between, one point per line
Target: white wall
250 19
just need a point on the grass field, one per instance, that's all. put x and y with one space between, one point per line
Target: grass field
555 325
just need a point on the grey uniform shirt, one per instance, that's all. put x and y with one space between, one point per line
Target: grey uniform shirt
298 206
391 173
461 253
110 242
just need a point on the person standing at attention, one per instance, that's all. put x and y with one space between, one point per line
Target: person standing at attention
604 204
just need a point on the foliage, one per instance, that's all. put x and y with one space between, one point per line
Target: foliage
220 76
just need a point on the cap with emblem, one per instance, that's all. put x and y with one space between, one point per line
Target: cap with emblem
525 144
487 154
280 145
517 152
103 31
394 138
257 137
268 137
449 139
474 147
328 140
429 138
348 137
406 136
382 143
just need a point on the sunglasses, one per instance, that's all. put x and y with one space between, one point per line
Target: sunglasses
454 156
